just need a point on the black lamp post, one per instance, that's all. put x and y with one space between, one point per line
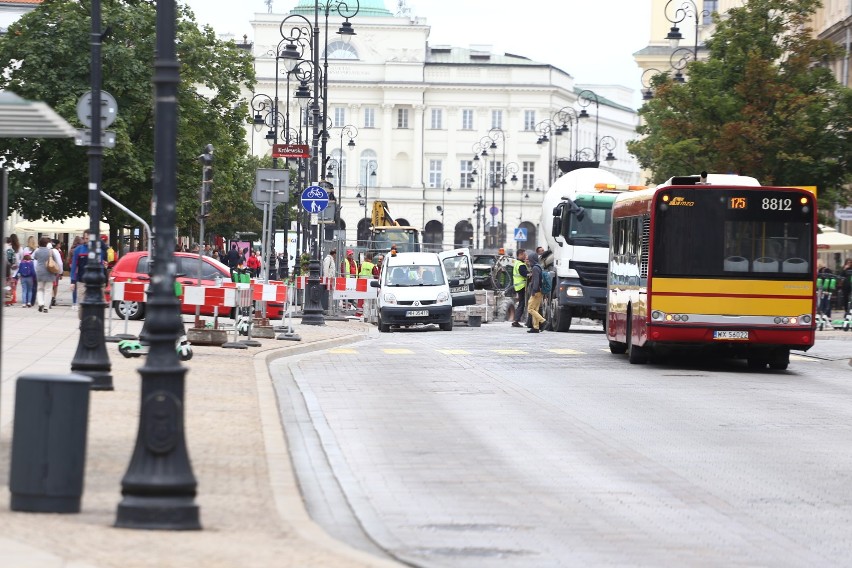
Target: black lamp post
647 81
607 143
511 169
448 187
158 489
352 132
91 358
370 167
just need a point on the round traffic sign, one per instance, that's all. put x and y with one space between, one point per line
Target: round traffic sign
109 108
314 199
494 210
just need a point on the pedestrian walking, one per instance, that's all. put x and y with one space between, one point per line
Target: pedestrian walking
253 264
44 277
534 292
13 261
329 264
520 274
78 240
27 277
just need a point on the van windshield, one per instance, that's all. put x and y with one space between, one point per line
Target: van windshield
416 275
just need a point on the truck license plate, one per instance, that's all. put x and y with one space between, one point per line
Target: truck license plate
416 313
730 334
458 289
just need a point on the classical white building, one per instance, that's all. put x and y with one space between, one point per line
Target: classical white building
416 114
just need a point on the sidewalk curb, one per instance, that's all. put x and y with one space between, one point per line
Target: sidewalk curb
285 487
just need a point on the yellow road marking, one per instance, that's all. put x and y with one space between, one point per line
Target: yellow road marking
453 351
342 350
566 352
510 351
398 351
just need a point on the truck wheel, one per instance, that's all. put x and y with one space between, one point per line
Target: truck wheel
617 348
505 309
561 316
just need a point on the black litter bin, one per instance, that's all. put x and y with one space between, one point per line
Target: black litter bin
49 443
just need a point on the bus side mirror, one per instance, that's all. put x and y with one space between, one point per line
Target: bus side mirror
556 230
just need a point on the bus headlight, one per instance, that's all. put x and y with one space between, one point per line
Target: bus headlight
657 315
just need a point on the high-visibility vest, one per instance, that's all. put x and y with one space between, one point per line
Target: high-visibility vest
346 267
366 269
518 281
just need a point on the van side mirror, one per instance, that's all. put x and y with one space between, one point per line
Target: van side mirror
375 284
454 282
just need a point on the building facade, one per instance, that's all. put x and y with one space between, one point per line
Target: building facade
459 141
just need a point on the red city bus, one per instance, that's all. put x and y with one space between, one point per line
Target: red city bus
727 264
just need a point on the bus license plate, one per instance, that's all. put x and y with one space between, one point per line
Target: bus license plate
730 335
416 313
458 289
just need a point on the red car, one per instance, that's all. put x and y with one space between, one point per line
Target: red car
134 266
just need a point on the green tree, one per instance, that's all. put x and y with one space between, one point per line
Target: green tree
759 105
50 59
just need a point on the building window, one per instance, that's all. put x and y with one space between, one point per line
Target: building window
369 117
465 177
338 167
341 50
710 6
529 120
402 118
528 176
467 119
437 119
369 169
339 117
436 168
496 119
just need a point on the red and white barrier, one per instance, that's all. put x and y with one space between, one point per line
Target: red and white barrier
269 292
216 296
353 289
128 291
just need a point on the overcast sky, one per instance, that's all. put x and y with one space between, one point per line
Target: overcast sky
592 40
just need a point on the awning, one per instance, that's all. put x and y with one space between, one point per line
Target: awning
73 225
829 239
20 118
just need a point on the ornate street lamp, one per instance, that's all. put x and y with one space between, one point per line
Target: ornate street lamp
158 489
688 9
448 187
647 80
607 143
584 99
91 358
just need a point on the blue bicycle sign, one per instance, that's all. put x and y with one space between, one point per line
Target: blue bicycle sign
314 199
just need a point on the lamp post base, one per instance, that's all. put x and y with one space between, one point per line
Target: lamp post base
158 513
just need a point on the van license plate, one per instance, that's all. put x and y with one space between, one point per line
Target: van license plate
730 335
458 289
416 313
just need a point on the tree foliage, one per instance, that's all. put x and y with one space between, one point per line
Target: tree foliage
760 105
50 60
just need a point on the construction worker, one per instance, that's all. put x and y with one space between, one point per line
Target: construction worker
349 266
366 272
520 272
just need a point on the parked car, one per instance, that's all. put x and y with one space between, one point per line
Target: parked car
134 267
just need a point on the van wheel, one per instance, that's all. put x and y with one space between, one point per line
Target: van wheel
383 327
447 326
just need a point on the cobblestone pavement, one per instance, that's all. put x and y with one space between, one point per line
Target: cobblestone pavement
250 505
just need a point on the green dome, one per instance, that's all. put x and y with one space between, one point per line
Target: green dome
369 8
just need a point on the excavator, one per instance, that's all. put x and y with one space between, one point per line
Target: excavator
385 232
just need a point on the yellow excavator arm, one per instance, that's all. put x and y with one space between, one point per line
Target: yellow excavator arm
382 216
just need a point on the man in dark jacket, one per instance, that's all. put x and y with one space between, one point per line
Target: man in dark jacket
534 292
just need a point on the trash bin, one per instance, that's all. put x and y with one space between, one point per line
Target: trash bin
49 443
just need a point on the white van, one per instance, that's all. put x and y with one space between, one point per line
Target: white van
414 288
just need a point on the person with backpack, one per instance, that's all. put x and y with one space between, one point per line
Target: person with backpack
534 292
27 276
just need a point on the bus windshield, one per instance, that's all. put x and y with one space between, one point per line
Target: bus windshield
733 233
592 230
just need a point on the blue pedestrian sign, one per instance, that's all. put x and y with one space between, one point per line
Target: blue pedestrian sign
314 199
520 234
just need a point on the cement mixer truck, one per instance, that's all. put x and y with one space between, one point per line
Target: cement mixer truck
575 220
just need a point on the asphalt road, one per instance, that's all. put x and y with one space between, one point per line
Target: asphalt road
494 447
